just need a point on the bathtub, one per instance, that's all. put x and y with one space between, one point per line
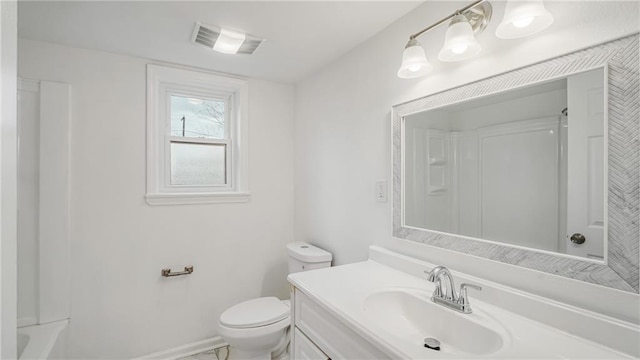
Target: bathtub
46 341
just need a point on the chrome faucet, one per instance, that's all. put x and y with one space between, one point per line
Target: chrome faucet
449 298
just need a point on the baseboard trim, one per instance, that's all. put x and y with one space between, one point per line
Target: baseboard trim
186 350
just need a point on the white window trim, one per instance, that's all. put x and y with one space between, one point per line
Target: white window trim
164 81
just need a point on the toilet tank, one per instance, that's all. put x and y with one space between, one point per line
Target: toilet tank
303 257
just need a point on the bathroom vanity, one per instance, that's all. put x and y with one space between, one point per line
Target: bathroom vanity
448 149
382 309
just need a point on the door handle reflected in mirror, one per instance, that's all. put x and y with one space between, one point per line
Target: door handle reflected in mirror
578 238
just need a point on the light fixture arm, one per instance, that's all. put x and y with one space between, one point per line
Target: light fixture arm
460 11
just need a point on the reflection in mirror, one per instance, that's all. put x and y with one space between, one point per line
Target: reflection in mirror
524 167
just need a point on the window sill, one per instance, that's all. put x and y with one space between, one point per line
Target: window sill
201 198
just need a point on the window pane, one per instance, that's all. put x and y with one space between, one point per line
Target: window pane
197 164
197 118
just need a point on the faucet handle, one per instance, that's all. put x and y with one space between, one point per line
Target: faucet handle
473 286
463 298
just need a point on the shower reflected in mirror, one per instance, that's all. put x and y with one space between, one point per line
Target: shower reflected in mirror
524 167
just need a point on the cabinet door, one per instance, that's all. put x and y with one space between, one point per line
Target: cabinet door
329 333
304 349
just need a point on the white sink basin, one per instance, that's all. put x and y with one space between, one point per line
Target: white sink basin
409 316
392 311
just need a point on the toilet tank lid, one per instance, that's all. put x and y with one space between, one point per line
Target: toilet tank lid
308 253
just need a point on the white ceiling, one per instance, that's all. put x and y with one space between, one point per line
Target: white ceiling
302 36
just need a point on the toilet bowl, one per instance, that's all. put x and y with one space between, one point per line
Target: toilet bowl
258 329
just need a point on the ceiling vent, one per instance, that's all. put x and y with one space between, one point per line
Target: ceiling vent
207 35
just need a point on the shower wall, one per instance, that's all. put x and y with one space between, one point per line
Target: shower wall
519 179
429 195
467 170
43 202
28 202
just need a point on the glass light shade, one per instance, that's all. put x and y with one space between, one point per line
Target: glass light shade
229 42
414 61
523 18
459 41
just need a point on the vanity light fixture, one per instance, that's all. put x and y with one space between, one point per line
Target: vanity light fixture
523 18
459 44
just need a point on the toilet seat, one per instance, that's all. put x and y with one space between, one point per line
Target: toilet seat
232 334
255 313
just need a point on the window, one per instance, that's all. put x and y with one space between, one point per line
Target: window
196 137
198 142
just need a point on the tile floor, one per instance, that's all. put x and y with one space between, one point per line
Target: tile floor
208 355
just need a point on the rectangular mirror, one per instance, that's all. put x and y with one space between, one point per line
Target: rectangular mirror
523 167
498 168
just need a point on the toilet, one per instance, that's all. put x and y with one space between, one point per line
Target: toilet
258 329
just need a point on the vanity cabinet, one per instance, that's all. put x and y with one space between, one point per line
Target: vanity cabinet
305 349
319 335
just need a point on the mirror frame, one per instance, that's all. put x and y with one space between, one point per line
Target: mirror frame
621 268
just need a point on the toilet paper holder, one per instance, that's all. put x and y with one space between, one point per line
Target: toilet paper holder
167 272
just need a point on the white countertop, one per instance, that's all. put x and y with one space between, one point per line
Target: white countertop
342 291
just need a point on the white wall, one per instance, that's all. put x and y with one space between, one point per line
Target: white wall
8 182
121 307
342 134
